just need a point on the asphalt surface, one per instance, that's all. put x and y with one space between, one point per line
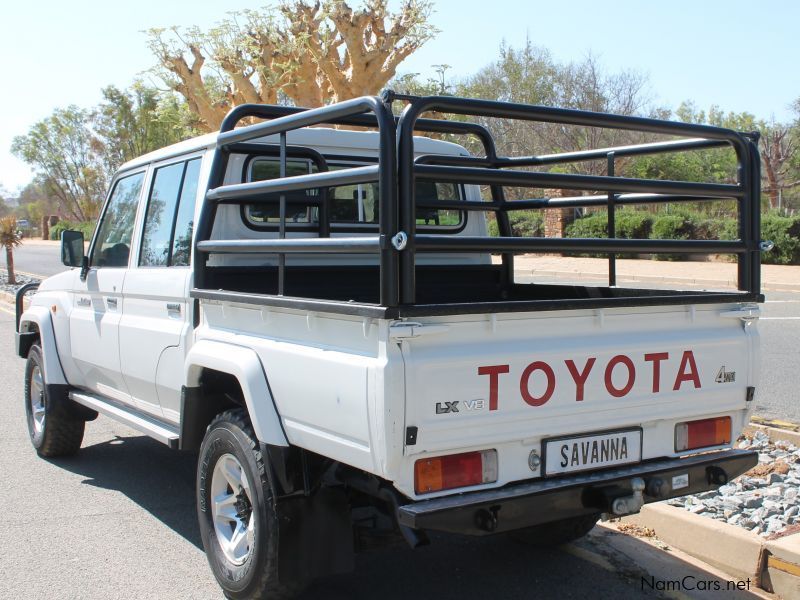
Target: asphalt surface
38 259
118 521
777 396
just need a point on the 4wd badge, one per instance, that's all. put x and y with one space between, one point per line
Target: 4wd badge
724 376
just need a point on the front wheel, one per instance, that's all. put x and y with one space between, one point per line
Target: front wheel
235 508
52 431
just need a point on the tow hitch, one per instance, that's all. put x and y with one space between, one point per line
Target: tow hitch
626 505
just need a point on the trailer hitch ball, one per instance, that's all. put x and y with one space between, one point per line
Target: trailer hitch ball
626 505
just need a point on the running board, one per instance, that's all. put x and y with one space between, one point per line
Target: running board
162 432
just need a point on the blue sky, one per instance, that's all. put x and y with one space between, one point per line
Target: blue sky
740 55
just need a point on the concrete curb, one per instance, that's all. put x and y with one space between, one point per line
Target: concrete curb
782 570
774 565
775 433
727 547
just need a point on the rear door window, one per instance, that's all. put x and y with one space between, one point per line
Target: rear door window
167 234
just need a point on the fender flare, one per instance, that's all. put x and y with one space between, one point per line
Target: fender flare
244 364
40 316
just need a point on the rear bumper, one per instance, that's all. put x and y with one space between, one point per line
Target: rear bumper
534 502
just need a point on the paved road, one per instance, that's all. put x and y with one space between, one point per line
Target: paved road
778 394
118 521
38 258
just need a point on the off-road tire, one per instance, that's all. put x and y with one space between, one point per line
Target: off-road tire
60 434
231 433
557 532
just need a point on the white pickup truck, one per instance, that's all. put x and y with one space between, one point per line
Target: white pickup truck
317 312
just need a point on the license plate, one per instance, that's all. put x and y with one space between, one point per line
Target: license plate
592 451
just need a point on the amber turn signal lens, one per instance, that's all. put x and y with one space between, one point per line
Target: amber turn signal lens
702 434
455 471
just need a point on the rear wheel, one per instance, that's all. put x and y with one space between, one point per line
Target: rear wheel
557 532
52 431
238 522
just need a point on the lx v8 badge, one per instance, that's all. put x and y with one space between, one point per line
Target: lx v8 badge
453 407
446 407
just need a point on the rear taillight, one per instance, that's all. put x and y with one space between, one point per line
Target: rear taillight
702 434
455 471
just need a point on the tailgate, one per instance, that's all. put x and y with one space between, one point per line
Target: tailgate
484 381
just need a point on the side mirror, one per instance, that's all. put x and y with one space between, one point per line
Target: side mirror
72 248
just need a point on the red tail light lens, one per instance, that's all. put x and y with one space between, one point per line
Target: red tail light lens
455 471
702 434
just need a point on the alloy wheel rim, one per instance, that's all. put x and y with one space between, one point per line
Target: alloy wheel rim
232 509
38 411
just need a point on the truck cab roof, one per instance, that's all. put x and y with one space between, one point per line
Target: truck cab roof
323 139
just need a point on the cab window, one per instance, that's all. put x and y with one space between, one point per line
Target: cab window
167 235
350 205
296 210
112 244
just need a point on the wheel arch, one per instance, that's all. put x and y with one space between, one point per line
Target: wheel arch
244 366
36 324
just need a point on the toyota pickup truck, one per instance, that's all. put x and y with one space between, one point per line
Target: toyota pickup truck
312 303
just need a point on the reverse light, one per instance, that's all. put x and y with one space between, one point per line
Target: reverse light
705 433
455 471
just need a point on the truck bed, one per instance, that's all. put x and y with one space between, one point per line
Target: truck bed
454 289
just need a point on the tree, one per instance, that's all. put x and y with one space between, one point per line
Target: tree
4 209
779 160
306 53
530 75
34 202
75 151
10 239
130 123
64 151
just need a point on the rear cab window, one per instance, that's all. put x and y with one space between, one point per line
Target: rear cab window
352 207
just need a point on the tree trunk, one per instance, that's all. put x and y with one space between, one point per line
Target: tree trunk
773 186
12 280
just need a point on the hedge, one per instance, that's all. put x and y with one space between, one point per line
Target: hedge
683 224
523 224
785 233
86 228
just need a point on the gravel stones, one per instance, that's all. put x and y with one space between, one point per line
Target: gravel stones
12 289
765 500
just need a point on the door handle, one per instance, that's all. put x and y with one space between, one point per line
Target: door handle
173 307
112 302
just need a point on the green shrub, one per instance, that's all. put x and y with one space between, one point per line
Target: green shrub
594 225
526 223
785 233
633 224
87 228
523 224
672 227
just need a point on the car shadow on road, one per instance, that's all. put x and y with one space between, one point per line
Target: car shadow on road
606 564
156 478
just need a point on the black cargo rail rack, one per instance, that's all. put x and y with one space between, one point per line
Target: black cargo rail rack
397 242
